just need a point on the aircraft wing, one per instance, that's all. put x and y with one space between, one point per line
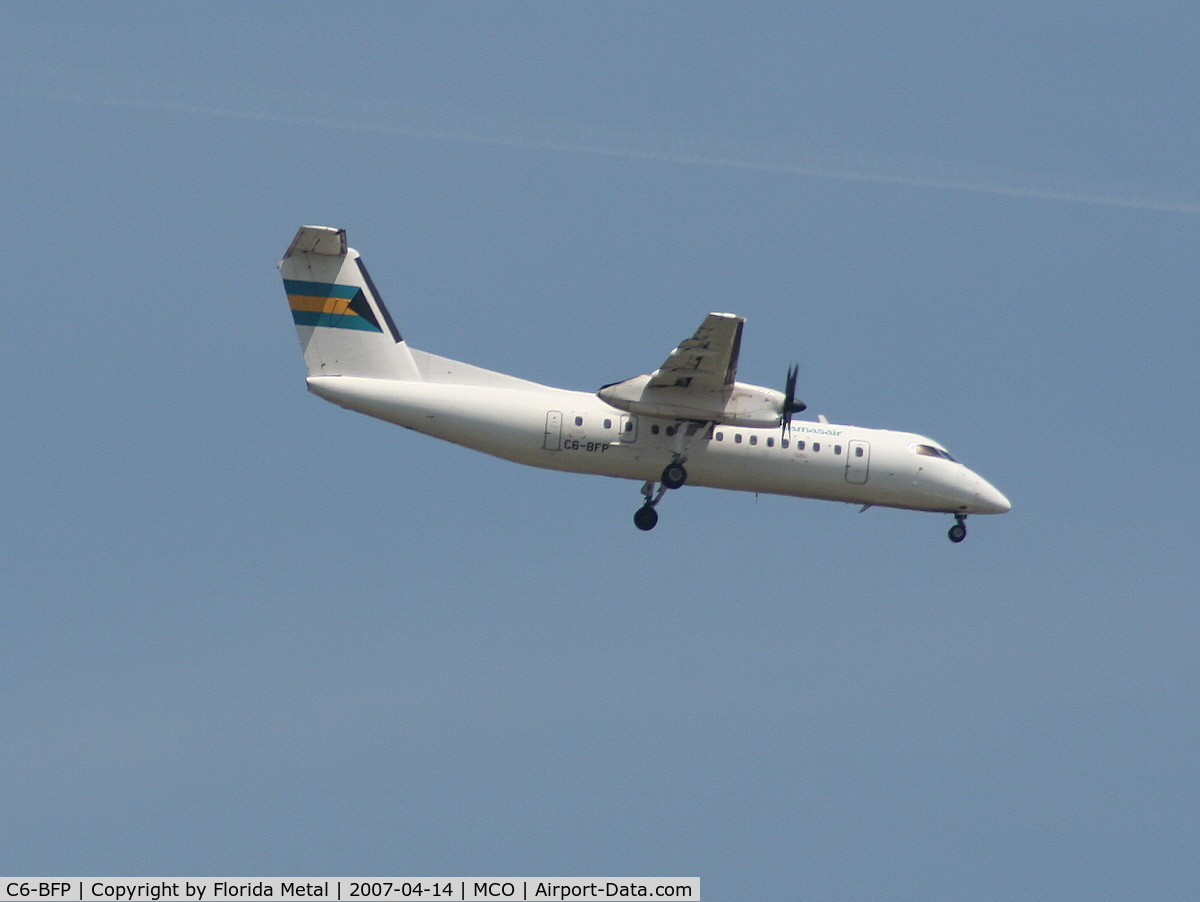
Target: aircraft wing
708 360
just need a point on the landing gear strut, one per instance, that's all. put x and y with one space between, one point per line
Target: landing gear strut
958 531
646 517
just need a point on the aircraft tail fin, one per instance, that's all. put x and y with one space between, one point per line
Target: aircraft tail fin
343 326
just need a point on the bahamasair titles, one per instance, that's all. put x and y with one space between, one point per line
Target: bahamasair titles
690 422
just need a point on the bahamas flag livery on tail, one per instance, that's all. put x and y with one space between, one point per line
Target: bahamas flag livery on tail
688 422
334 306
344 328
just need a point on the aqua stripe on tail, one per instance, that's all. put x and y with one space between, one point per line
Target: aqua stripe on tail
331 305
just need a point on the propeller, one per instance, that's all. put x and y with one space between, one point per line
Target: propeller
790 404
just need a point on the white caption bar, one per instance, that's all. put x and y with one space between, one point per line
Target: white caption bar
425 889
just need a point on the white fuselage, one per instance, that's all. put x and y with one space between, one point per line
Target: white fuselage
577 432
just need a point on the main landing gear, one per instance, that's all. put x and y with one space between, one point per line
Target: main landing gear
673 476
646 517
958 531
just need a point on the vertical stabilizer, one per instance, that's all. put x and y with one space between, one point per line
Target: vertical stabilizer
343 326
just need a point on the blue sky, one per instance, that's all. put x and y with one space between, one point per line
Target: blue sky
249 633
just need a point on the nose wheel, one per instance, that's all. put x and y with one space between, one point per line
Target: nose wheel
958 531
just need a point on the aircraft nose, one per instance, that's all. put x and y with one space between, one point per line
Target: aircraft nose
989 499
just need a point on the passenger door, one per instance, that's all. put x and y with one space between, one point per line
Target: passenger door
858 461
553 438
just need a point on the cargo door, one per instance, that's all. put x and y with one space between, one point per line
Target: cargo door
628 430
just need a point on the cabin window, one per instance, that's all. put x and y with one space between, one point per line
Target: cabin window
737 437
816 447
608 424
799 446
783 443
837 449
754 439
858 452
629 426
654 429
579 421
720 436
770 442
670 430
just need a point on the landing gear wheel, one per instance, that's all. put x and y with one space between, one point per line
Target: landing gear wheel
673 476
646 518
958 531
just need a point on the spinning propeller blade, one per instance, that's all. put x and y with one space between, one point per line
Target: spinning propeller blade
790 404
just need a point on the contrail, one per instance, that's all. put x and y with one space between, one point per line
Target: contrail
549 137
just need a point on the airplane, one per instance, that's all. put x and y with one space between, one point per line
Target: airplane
688 422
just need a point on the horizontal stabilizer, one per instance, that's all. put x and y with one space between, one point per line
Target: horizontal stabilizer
322 240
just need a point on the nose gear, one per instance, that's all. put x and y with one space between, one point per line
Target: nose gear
958 531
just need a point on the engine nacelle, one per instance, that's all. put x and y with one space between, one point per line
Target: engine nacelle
739 404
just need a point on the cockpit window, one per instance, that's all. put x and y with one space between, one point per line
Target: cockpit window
930 451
